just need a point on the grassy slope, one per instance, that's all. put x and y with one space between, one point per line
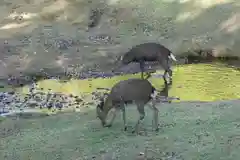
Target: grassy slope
178 25
190 130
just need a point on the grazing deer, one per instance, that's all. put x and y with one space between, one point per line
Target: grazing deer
150 52
138 91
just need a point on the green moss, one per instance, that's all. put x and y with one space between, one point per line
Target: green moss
205 82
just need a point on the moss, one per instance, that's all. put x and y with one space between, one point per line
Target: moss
205 82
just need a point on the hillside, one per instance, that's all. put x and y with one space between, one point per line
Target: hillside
32 30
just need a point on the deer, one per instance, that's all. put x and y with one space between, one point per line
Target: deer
150 52
132 91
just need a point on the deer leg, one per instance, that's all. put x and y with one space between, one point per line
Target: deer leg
155 115
170 75
124 117
148 75
114 112
165 76
167 71
142 68
140 108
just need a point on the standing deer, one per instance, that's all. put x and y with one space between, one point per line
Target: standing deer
150 52
138 91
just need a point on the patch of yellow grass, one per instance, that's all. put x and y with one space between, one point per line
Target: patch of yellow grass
190 82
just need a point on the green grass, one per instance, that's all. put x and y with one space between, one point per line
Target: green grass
190 130
1 119
201 131
197 82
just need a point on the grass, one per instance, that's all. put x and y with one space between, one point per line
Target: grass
189 131
1 119
198 82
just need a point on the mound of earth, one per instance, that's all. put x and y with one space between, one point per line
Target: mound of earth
62 35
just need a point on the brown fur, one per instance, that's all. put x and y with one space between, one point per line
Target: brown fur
149 52
138 91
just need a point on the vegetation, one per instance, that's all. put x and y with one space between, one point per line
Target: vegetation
198 82
189 130
52 35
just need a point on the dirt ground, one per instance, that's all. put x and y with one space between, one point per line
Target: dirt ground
54 34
